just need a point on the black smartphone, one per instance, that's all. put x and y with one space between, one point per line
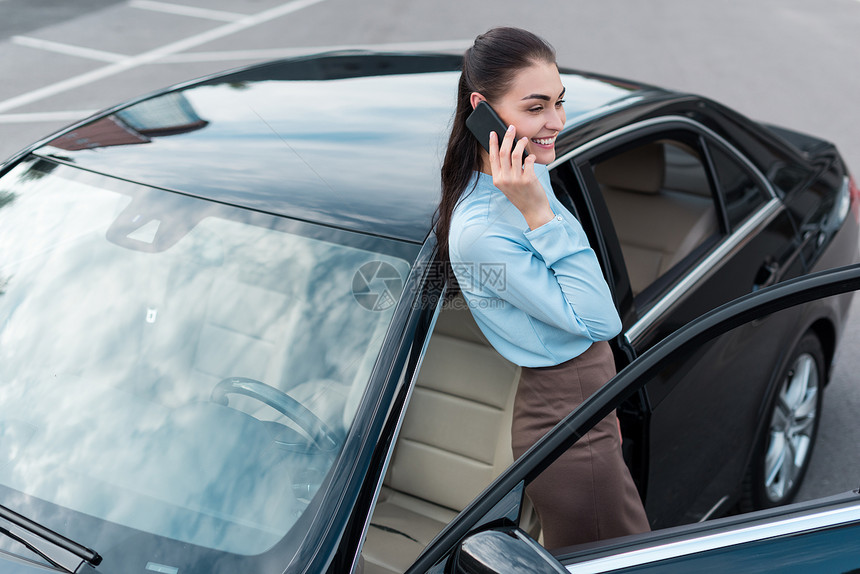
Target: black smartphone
482 121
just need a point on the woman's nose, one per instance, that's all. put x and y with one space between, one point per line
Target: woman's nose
555 121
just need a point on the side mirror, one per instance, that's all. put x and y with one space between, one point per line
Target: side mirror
503 551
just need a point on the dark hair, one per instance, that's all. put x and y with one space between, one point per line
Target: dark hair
489 67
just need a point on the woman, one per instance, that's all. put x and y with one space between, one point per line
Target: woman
533 284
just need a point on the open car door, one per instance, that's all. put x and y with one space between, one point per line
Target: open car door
820 536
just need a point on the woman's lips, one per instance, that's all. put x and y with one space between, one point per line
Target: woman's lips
544 142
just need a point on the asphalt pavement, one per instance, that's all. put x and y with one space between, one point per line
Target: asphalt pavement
789 62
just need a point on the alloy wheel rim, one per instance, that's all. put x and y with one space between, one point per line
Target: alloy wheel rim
792 427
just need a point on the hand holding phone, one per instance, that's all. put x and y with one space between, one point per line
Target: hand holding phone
482 121
520 186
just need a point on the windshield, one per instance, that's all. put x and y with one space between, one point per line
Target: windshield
174 366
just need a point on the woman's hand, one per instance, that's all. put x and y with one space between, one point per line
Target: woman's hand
517 179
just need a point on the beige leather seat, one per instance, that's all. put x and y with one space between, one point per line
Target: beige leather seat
455 440
661 205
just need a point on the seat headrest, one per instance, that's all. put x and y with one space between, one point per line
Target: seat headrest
641 169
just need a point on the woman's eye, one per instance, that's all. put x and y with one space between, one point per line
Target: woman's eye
536 109
559 103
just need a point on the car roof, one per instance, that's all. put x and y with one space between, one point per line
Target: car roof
349 139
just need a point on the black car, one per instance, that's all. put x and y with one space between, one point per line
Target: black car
226 344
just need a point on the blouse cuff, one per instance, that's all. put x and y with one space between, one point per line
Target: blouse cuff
549 225
553 241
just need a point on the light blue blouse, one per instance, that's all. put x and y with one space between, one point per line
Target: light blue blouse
538 295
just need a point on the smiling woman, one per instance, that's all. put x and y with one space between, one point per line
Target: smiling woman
554 313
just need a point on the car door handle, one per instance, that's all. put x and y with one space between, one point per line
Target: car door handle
767 275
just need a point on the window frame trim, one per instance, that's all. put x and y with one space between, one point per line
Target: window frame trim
749 169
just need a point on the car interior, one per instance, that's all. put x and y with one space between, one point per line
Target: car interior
455 440
661 203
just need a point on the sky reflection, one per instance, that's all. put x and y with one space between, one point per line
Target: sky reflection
109 351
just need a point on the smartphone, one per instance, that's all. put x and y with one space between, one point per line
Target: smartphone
482 121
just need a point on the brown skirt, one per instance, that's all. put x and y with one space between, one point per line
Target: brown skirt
587 494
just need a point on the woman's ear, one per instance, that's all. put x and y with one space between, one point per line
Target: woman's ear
475 99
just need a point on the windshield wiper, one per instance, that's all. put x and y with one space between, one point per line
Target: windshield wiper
45 536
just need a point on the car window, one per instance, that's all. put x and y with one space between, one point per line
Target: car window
787 177
740 192
175 366
661 204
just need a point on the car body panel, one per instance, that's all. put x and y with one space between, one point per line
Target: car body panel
794 538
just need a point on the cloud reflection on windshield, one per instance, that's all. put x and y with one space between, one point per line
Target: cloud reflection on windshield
108 357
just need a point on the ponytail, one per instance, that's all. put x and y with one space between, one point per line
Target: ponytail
489 67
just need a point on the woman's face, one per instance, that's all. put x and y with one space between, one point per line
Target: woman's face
533 105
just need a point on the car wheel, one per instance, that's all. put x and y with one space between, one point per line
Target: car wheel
785 448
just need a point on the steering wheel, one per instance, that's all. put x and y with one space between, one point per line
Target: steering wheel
307 421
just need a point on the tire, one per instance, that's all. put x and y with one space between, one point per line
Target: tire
783 452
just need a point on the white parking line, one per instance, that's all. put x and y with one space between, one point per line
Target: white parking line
156 54
64 116
182 10
74 115
68 50
271 53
